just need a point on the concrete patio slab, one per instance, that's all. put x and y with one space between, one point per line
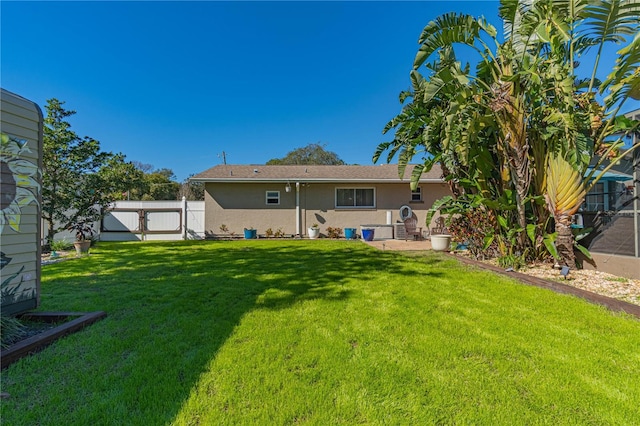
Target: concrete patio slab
400 245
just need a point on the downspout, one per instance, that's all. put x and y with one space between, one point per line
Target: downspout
298 230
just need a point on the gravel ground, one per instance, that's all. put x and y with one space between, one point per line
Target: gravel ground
46 258
594 281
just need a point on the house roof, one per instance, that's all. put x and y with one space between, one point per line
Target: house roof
312 173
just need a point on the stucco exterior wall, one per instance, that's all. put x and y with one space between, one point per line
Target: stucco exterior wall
623 266
243 205
21 156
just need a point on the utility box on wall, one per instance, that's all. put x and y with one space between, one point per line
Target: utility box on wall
20 196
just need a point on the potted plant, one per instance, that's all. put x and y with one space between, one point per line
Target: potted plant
84 234
350 233
368 234
440 237
250 234
440 242
314 231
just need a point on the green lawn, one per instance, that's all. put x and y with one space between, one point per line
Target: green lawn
318 332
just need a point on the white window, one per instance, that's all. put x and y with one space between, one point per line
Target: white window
273 198
355 198
416 195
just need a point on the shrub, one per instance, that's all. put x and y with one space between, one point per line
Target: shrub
334 232
59 245
514 261
471 228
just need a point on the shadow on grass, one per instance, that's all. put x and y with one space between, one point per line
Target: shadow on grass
171 306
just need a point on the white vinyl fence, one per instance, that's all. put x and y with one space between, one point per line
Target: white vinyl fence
148 220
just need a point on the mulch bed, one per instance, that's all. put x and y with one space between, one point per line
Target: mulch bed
65 323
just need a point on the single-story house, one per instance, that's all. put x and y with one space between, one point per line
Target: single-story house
292 198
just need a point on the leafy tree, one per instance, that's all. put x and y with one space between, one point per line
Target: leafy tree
78 179
161 185
311 154
157 184
192 191
143 167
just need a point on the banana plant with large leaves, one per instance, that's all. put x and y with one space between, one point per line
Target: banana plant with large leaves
437 121
525 101
580 120
484 113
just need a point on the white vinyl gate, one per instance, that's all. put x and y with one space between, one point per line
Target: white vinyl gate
153 220
147 220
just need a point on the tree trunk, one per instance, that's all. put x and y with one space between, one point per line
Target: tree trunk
522 216
50 231
518 163
516 152
564 241
453 186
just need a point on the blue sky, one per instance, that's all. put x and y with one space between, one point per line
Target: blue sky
174 84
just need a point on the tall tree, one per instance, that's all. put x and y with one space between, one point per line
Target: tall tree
143 167
192 191
78 179
522 105
311 154
161 185
157 184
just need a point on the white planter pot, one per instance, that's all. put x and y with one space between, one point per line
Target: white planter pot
440 242
82 247
313 233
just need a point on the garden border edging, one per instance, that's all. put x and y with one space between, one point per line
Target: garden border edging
38 342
